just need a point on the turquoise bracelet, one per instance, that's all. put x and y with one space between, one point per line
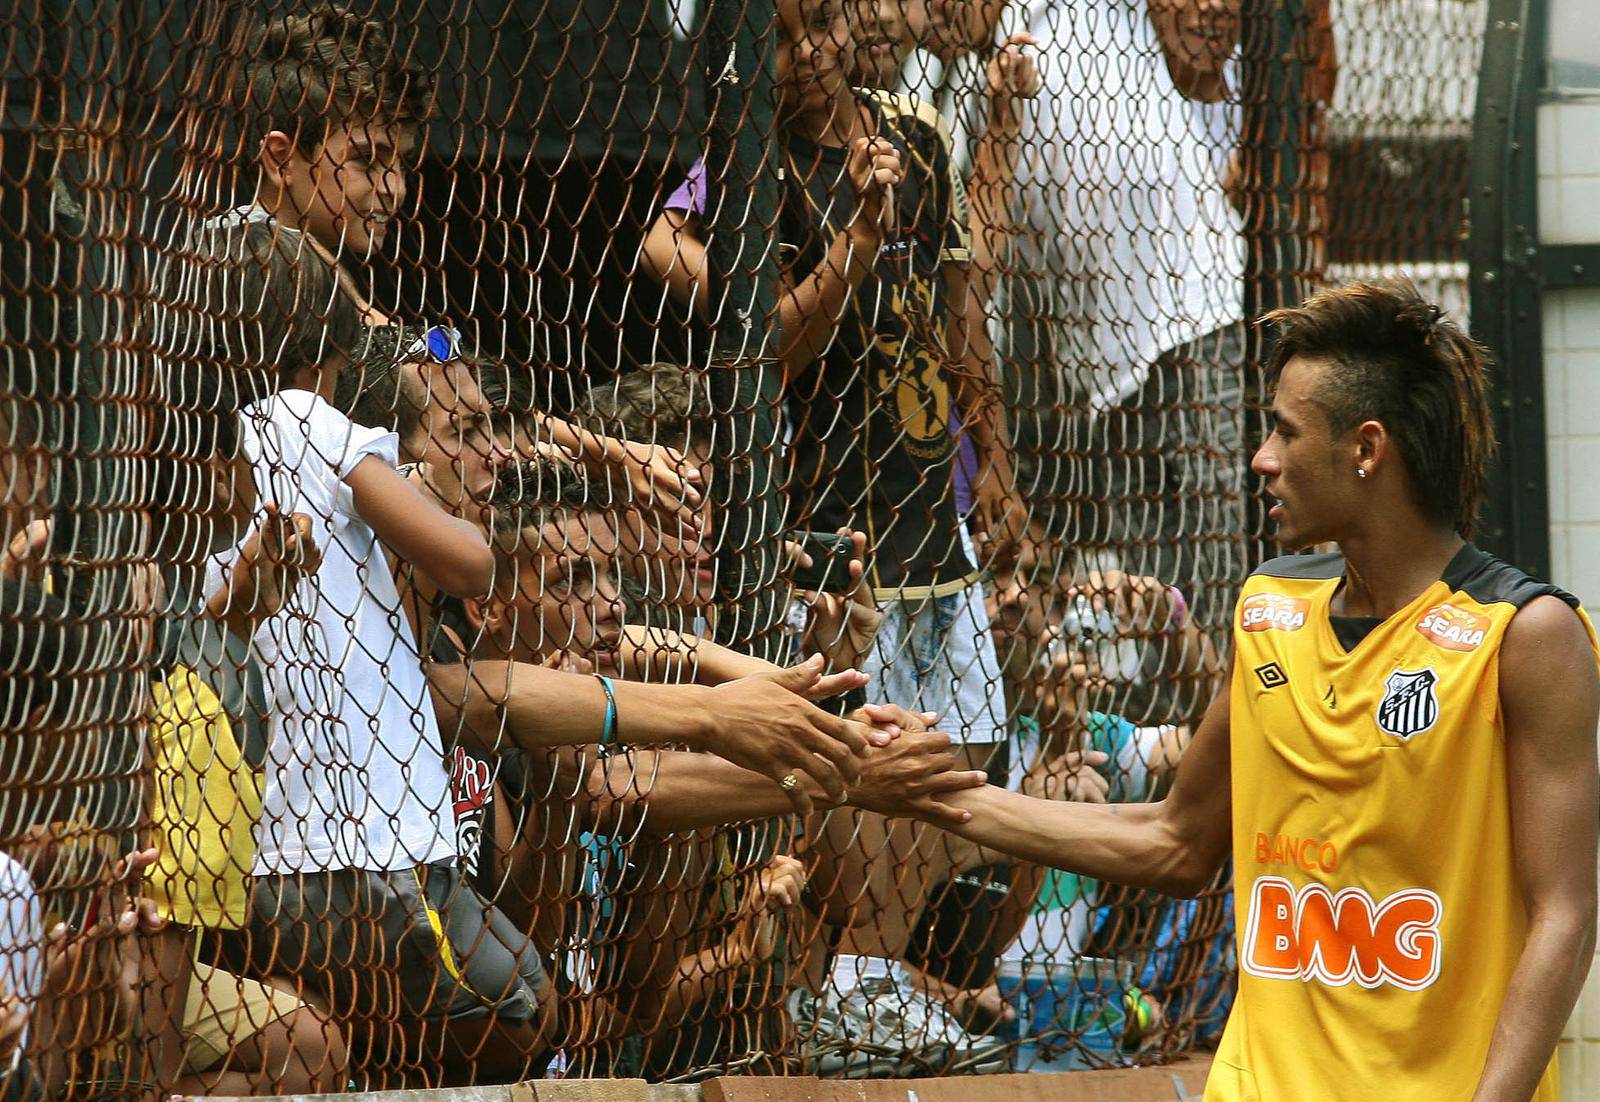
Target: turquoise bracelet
608 733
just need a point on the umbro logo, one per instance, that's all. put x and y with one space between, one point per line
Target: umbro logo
1272 676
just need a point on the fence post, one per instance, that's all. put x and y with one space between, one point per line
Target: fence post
1273 89
742 213
1503 255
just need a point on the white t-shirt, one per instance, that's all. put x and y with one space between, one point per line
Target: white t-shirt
1122 177
21 936
354 774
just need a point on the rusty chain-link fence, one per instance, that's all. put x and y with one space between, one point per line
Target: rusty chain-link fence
429 433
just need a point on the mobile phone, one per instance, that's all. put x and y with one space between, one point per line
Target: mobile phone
829 571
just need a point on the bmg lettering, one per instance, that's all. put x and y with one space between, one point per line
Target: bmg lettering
1336 938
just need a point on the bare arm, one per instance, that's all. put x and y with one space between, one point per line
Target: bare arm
450 550
982 408
1550 694
670 791
763 722
675 253
1173 846
662 654
809 307
1012 77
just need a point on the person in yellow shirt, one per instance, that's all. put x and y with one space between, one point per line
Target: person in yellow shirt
1403 767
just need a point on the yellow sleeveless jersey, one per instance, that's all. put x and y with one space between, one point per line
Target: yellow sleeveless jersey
1375 894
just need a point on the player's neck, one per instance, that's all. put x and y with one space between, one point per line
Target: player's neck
1384 574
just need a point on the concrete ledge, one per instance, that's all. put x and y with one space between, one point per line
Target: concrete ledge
1184 1080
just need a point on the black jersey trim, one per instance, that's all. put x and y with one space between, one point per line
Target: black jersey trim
1489 580
1305 567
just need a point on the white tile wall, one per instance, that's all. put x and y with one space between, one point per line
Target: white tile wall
1572 425
1569 213
1569 172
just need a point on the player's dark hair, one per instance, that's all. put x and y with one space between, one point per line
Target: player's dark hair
302 73
1394 358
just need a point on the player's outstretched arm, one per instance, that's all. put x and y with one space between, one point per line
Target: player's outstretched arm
1174 846
1550 694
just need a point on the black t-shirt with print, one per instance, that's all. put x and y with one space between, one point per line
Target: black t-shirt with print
871 442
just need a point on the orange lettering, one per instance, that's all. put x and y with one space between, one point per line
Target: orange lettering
1308 853
1314 934
1271 942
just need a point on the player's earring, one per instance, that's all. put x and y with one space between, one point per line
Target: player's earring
1361 472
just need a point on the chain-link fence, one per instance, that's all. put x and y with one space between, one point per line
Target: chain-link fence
432 439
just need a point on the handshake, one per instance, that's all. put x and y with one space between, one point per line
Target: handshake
879 758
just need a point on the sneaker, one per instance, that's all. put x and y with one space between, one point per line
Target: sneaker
936 1039
838 1041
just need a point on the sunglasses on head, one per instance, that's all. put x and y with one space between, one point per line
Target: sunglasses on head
439 343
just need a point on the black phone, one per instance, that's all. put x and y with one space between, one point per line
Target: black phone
829 571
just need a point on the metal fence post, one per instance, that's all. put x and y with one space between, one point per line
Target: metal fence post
742 213
1272 78
1503 254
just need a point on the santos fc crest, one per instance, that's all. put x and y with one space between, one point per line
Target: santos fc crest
1409 705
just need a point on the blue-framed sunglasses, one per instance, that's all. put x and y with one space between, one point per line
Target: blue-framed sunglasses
440 343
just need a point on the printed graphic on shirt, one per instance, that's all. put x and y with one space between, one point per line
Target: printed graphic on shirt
1410 705
1336 938
472 782
909 367
1273 612
1453 628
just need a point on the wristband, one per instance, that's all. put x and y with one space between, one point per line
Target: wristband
1180 612
608 733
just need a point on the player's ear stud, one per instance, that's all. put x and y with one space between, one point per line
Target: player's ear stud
1361 472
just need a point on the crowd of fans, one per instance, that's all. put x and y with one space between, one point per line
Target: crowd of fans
442 748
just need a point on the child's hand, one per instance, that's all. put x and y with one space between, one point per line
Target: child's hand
1073 776
777 889
662 482
1141 606
1013 76
567 662
842 628
285 554
875 169
27 546
92 976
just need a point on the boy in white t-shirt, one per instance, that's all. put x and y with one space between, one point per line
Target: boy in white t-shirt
356 889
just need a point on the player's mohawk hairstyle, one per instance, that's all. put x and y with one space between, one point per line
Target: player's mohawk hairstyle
1397 359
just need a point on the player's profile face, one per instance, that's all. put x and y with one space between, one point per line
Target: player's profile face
1300 461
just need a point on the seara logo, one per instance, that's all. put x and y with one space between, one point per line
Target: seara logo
1337 938
1453 628
1273 612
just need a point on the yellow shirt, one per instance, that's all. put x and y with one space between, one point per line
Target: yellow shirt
1375 889
205 806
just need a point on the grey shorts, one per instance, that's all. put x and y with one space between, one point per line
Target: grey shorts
419 943
935 654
